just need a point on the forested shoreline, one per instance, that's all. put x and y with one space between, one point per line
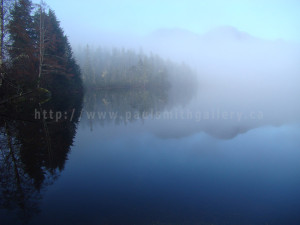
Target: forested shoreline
36 57
35 53
115 68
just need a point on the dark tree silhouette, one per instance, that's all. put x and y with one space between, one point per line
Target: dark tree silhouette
32 155
39 54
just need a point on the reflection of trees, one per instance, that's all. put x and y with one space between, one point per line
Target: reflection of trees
123 102
120 106
32 154
17 188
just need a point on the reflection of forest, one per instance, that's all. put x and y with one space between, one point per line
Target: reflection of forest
32 154
121 106
122 102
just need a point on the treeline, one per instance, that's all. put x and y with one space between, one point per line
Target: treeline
104 68
35 52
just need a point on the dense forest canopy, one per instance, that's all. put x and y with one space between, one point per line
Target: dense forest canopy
35 52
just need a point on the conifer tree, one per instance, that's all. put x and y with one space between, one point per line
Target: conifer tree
5 6
22 51
58 68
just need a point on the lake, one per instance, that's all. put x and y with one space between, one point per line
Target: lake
146 157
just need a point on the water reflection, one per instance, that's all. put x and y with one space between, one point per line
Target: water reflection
179 113
132 170
125 106
35 148
114 106
33 154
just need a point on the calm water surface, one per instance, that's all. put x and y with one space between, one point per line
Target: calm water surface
162 170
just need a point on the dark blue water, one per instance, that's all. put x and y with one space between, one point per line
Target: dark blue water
162 171
117 176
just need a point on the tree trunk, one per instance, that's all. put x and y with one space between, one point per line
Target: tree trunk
1 33
41 46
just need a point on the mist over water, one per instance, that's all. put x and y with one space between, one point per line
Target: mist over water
162 116
239 75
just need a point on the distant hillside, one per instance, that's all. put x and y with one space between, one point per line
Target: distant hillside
227 33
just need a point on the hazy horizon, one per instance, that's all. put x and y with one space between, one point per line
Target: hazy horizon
86 23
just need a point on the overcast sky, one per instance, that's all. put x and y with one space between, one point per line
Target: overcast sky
269 19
